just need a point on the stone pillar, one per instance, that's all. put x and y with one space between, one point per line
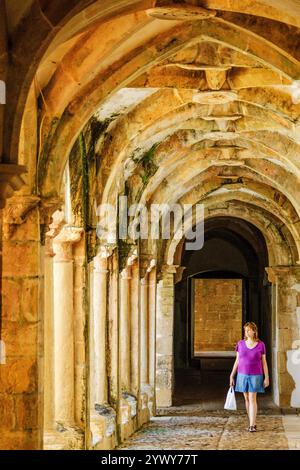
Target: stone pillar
48 338
147 327
56 225
128 404
81 352
144 331
102 416
152 333
152 325
286 330
113 329
21 393
135 329
64 364
164 337
125 328
99 330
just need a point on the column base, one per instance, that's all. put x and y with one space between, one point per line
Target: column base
146 400
64 437
103 428
163 397
128 418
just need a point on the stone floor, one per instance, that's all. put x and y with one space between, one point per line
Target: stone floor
211 431
198 421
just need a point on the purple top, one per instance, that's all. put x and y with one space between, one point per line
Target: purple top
250 360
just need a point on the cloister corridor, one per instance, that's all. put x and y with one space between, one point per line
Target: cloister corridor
197 421
149 208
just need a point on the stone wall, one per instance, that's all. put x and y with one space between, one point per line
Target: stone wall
20 385
217 314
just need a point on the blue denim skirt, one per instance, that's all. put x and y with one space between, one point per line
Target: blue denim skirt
249 383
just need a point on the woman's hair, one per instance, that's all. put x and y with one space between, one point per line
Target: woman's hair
253 327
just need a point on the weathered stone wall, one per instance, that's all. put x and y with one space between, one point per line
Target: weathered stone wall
21 384
217 314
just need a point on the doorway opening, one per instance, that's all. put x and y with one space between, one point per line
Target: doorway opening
224 285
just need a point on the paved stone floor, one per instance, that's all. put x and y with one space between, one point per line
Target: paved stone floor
211 431
198 421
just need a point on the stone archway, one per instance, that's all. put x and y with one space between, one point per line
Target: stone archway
227 282
111 100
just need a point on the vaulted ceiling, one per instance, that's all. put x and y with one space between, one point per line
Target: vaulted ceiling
199 102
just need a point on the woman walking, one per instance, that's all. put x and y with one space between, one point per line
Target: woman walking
251 366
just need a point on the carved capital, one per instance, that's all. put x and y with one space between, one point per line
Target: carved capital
276 272
64 241
126 273
49 207
100 261
16 211
179 273
18 208
167 269
147 263
11 180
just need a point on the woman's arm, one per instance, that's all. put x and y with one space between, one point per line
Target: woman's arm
235 366
266 370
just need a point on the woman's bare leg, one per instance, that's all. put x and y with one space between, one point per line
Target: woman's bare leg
246 396
252 408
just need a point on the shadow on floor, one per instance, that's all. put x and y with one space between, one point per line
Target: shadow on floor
207 390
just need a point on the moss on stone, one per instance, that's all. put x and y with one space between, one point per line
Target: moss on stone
147 168
123 252
43 158
85 181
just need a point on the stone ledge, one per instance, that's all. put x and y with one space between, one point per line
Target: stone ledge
103 428
64 438
132 402
109 416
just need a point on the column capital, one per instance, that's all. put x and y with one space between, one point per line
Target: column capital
16 211
18 207
11 180
179 273
105 251
100 264
132 257
64 241
126 272
147 263
278 271
58 221
169 268
48 209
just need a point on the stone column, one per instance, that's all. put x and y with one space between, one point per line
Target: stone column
99 330
152 332
113 330
64 326
48 338
147 312
164 336
128 404
102 416
135 329
55 227
144 347
124 336
286 329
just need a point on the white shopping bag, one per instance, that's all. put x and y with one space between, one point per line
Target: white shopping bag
230 403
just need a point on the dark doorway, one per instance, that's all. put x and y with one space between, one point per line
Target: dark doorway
234 254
